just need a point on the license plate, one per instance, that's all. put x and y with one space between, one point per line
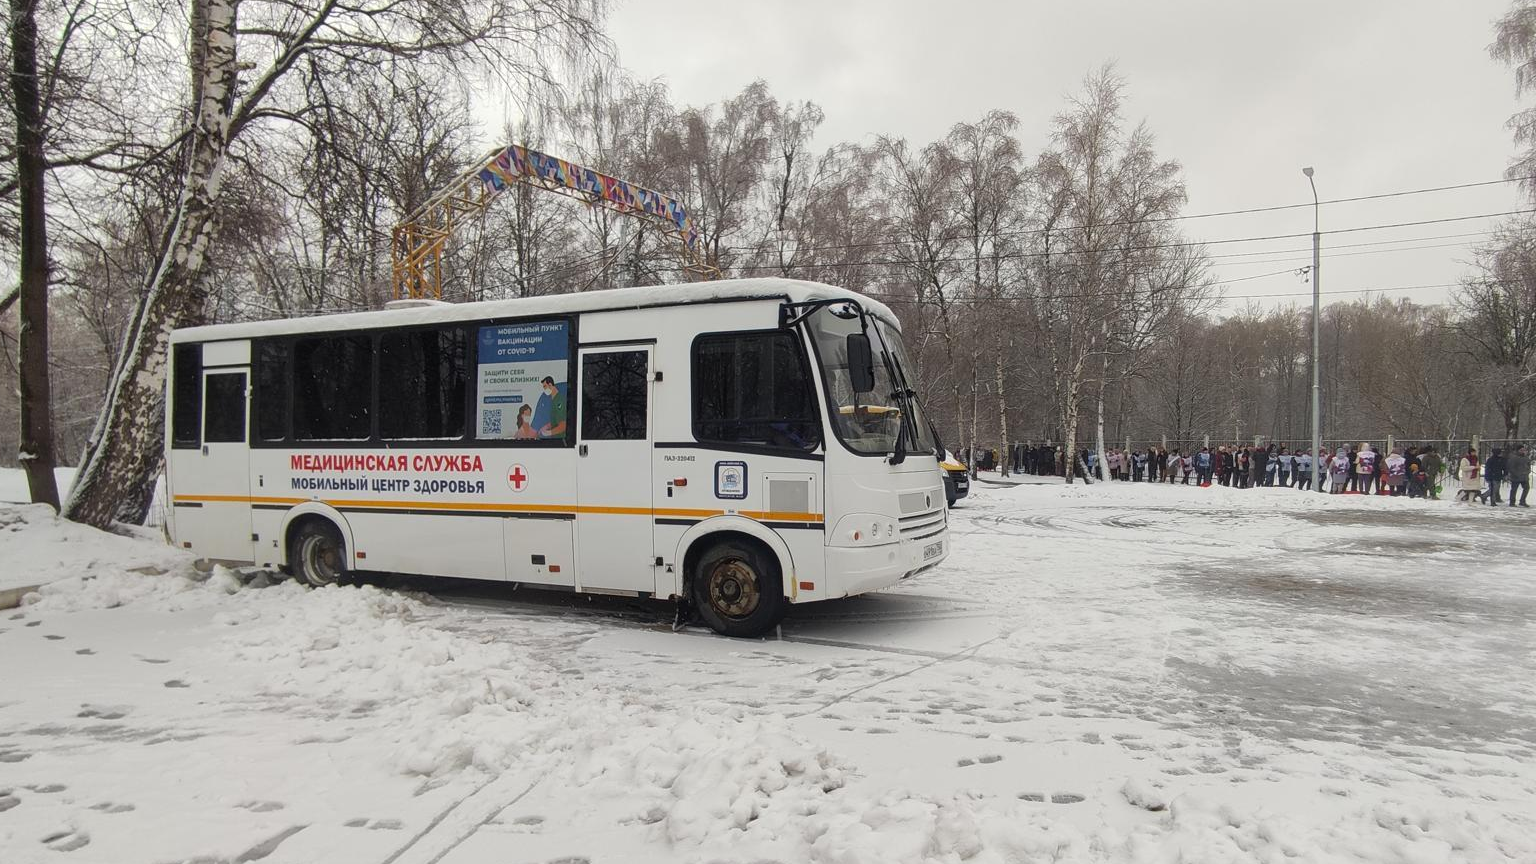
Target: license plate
933 550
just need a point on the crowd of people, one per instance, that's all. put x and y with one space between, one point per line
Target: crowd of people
1415 472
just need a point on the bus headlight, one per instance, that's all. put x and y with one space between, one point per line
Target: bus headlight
864 529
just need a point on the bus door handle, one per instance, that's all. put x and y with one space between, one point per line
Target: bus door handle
581 450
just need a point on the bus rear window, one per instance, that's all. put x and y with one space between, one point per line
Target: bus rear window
187 396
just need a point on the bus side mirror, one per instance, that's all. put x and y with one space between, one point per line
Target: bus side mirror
861 363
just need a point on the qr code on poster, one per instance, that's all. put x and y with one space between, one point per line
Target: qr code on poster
490 421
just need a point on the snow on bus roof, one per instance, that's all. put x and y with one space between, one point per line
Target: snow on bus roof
795 290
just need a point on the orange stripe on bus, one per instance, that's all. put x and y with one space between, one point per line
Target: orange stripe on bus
661 512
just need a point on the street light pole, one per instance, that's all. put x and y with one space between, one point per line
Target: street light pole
1317 341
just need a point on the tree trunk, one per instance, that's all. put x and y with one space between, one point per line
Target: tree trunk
1098 437
975 407
1005 453
1070 459
116 478
36 445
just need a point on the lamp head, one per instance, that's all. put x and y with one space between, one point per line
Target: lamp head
1307 171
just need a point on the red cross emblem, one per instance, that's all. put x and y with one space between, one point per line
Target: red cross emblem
517 478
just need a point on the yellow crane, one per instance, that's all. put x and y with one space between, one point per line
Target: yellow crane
421 237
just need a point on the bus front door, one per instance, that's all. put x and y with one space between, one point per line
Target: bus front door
613 470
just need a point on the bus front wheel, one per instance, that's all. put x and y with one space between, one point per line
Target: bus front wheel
738 591
316 554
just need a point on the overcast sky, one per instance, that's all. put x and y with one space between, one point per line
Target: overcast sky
1378 96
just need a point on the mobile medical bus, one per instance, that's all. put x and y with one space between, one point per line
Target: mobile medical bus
736 445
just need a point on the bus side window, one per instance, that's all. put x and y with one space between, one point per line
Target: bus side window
187 397
422 384
754 388
271 391
333 388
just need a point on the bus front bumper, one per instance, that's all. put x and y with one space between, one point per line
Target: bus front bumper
859 569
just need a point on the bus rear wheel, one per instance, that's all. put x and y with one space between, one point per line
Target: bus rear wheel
738 591
316 554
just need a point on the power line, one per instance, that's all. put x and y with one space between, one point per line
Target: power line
1308 249
1328 256
1178 218
1009 256
1111 295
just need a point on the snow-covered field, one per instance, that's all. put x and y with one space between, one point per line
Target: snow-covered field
1115 673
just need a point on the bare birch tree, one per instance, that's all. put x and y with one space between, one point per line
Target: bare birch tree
520 36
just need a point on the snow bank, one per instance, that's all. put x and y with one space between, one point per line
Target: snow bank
37 548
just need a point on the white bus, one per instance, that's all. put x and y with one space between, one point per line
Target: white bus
737 446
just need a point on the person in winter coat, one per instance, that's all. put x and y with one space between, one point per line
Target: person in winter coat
1258 463
1519 467
1432 465
1286 463
1493 472
1204 466
1365 469
1470 474
1397 472
1303 469
1338 471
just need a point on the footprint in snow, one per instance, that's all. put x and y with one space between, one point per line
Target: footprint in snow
1059 798
66 841
48 789
14 756
52 637
103 712
155 660
85 652
260 806
986 759
176 684
111 807
374 824
7 801
32 623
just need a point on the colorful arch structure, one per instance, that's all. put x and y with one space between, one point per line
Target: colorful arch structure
420 238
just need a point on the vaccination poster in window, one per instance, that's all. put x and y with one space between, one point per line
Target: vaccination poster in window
521 388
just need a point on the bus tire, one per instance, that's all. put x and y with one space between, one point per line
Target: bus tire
316 554
737 589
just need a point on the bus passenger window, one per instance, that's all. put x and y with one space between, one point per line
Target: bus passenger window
224 421
613 396
187 396
754 388
271 394
332 388
422 384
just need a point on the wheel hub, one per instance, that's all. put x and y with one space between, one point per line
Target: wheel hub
322 559
733 589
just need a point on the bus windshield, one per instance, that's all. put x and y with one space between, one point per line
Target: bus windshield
869 423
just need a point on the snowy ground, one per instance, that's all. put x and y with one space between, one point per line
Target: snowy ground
1115 673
